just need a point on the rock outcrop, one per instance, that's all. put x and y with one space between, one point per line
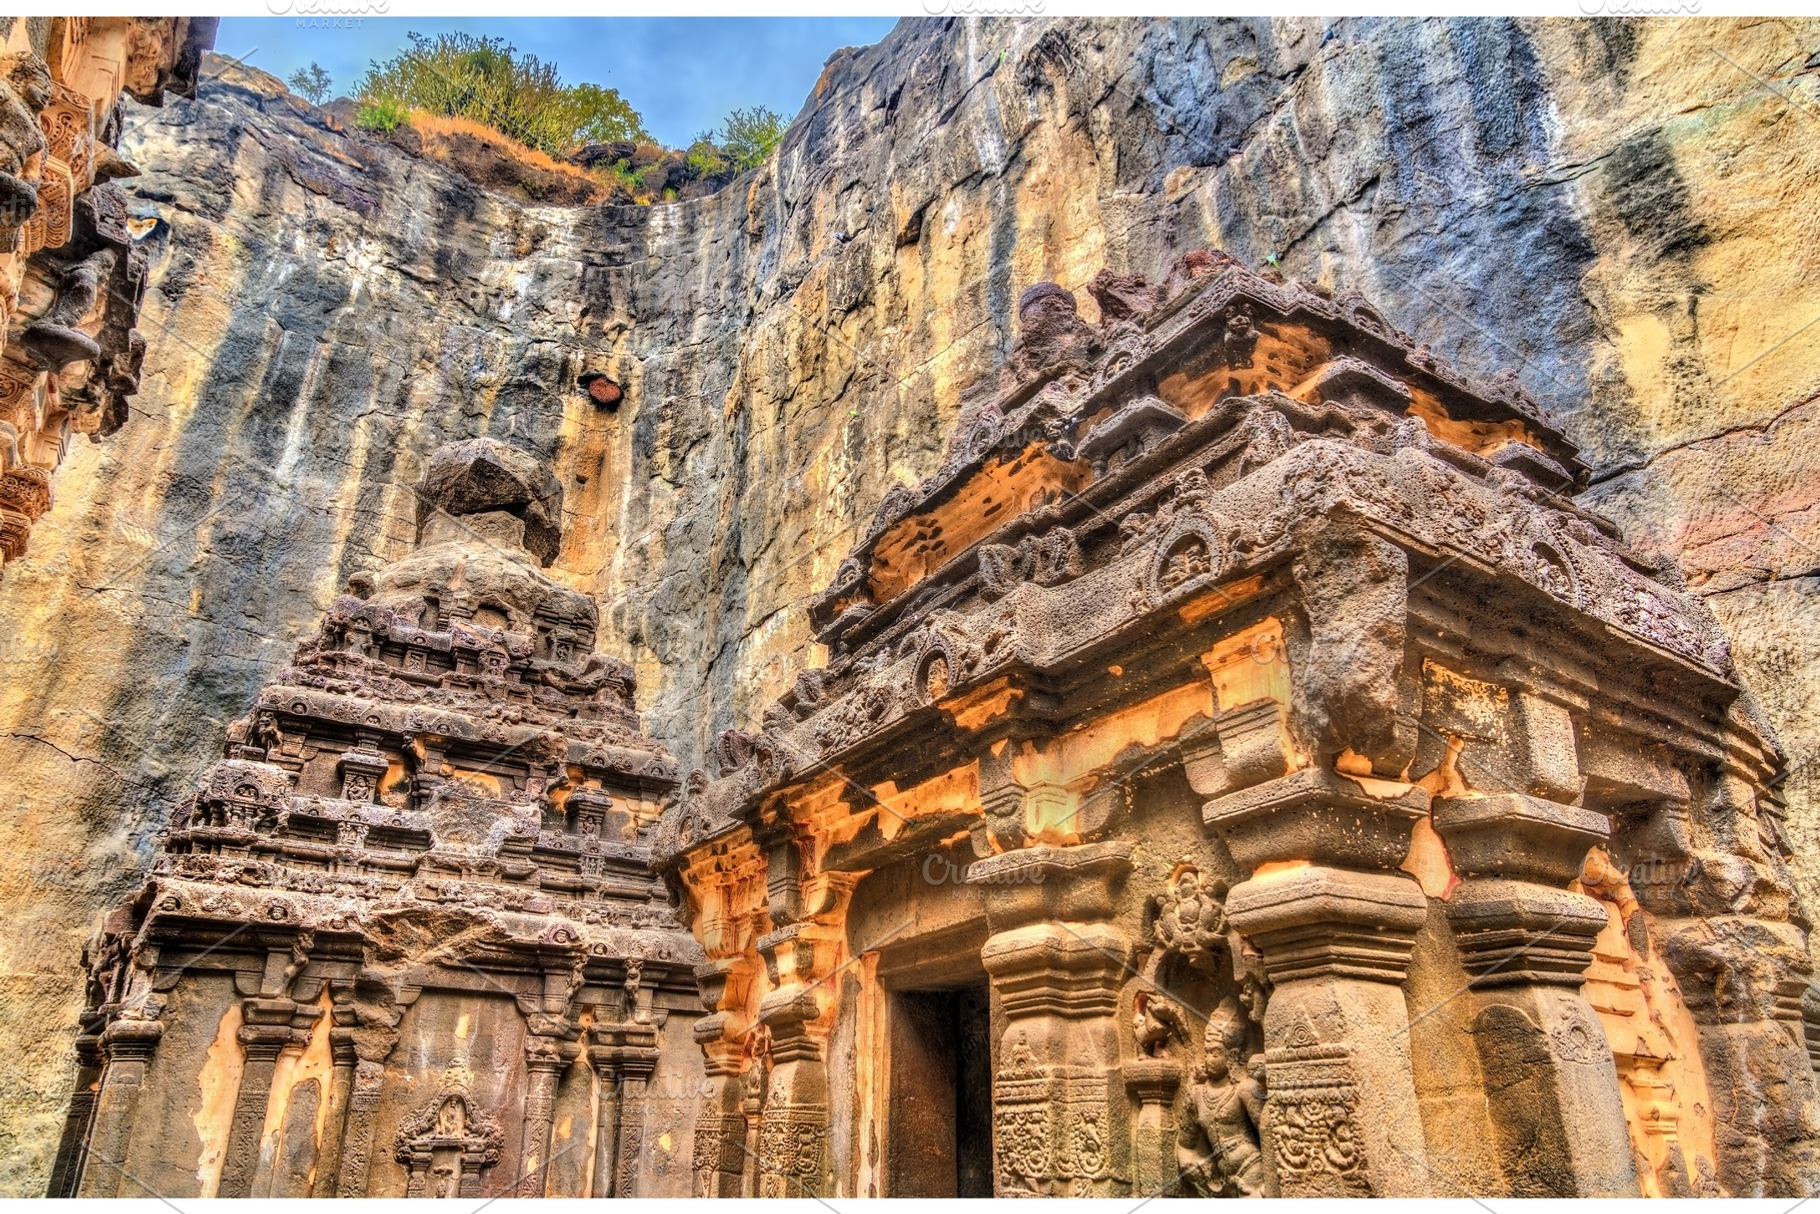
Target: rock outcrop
1558 199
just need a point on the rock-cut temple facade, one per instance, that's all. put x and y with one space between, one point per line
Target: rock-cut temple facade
1239 770
73 261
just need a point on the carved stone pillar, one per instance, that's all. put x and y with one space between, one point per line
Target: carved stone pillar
67 1173
546 1056
733 908
793 1136
127 1046
1341 1117
265 1034
1152 1084
1060 1120
372 1046
1336 924
344 1058
635 1059
718 1155
1557 1105
793 1155
606 1126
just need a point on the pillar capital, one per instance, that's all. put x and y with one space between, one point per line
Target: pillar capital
1319 817
343 1049
1520 837
548 1053
266 1041
131 1039
1515 932
1526 941
1047 883
1314 921
1058 969
1061 1120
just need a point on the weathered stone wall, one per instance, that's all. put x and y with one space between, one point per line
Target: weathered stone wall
1619 210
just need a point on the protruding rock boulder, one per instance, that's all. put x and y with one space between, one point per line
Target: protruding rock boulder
481 476
1050 332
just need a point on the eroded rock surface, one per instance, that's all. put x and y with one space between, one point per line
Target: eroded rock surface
1560 199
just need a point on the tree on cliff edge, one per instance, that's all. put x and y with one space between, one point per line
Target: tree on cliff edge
311 83
751 135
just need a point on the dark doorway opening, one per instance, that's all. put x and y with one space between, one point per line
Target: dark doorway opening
941 1094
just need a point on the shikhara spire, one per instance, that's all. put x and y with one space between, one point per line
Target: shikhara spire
437 816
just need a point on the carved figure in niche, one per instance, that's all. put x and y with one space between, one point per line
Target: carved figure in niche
635 979
1218 1144
447 1143
1159 1026
1191 918
1189 559
452 1118
935 677
1240 337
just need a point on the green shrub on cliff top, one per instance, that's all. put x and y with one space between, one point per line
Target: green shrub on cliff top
485 80
704 157
381 114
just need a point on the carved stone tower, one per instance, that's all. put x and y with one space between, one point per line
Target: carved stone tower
405 940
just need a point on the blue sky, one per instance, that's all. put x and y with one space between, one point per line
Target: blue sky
682 73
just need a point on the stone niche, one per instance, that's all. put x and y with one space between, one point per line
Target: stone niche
72 267
1241 769
406 940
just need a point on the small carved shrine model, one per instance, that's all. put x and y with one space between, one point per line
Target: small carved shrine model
407 941
1241 769
72 268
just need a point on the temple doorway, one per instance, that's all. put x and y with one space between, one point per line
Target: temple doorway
941 1093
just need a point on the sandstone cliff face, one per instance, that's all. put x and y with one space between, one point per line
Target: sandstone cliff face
1620 213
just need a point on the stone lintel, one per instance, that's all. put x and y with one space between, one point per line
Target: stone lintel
870 850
